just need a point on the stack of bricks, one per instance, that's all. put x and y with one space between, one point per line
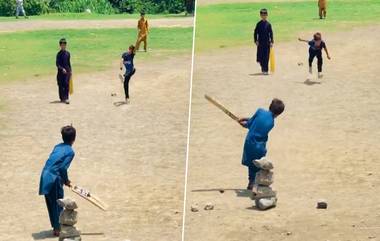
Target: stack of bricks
68 218
262 192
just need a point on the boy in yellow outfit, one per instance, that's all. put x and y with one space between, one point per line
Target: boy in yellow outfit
143 29
322 4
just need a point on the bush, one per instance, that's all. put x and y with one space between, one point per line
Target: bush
77 6
149 6
7 8
32 7
36 7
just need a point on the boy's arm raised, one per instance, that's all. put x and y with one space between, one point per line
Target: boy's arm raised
302 40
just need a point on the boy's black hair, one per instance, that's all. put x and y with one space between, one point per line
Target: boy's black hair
277 107
62 41
142 14
68 134
317 36
264 11
132 47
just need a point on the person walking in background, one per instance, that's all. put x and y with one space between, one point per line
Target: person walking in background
143 29
20 8
322 4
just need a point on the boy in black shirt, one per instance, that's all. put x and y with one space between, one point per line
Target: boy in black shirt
64 71
263 37
315 50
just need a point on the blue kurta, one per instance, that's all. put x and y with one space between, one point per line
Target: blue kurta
53 176
259 126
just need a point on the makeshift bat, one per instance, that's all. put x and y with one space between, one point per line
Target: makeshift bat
221 107
88 196
272 62
71 85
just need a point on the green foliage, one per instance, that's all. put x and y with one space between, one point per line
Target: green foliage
149 6
75 6
7 8
37 7
32 7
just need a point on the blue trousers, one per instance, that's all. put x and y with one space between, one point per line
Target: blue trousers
53 208
252 170
252 151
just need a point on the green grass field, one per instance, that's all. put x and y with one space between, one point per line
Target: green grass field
28 54
227 25
86 16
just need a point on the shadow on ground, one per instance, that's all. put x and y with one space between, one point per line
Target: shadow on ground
43 235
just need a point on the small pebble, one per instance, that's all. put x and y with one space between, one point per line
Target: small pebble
194 208
209 206
321 204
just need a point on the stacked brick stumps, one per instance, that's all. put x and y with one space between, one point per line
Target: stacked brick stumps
67 219
262 192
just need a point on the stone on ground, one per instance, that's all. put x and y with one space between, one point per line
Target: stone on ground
266 203
264 178
262 192
194 208
263 163
67 203
209 206
68 217
69 232
322 204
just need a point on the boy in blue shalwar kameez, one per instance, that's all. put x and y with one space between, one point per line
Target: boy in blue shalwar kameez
54 175
259 125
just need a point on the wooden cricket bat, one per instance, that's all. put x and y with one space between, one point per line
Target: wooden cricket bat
88 196
71 85
221 107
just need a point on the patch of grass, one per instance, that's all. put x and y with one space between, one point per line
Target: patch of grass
86 16
28 54
227 25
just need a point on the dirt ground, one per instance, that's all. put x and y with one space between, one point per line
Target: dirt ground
28 25
132 156
325 145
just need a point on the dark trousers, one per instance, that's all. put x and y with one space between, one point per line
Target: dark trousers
127 77
63 86
53 208
263 56
252 170
312 55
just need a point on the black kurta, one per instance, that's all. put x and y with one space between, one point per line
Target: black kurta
263 34
63 62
